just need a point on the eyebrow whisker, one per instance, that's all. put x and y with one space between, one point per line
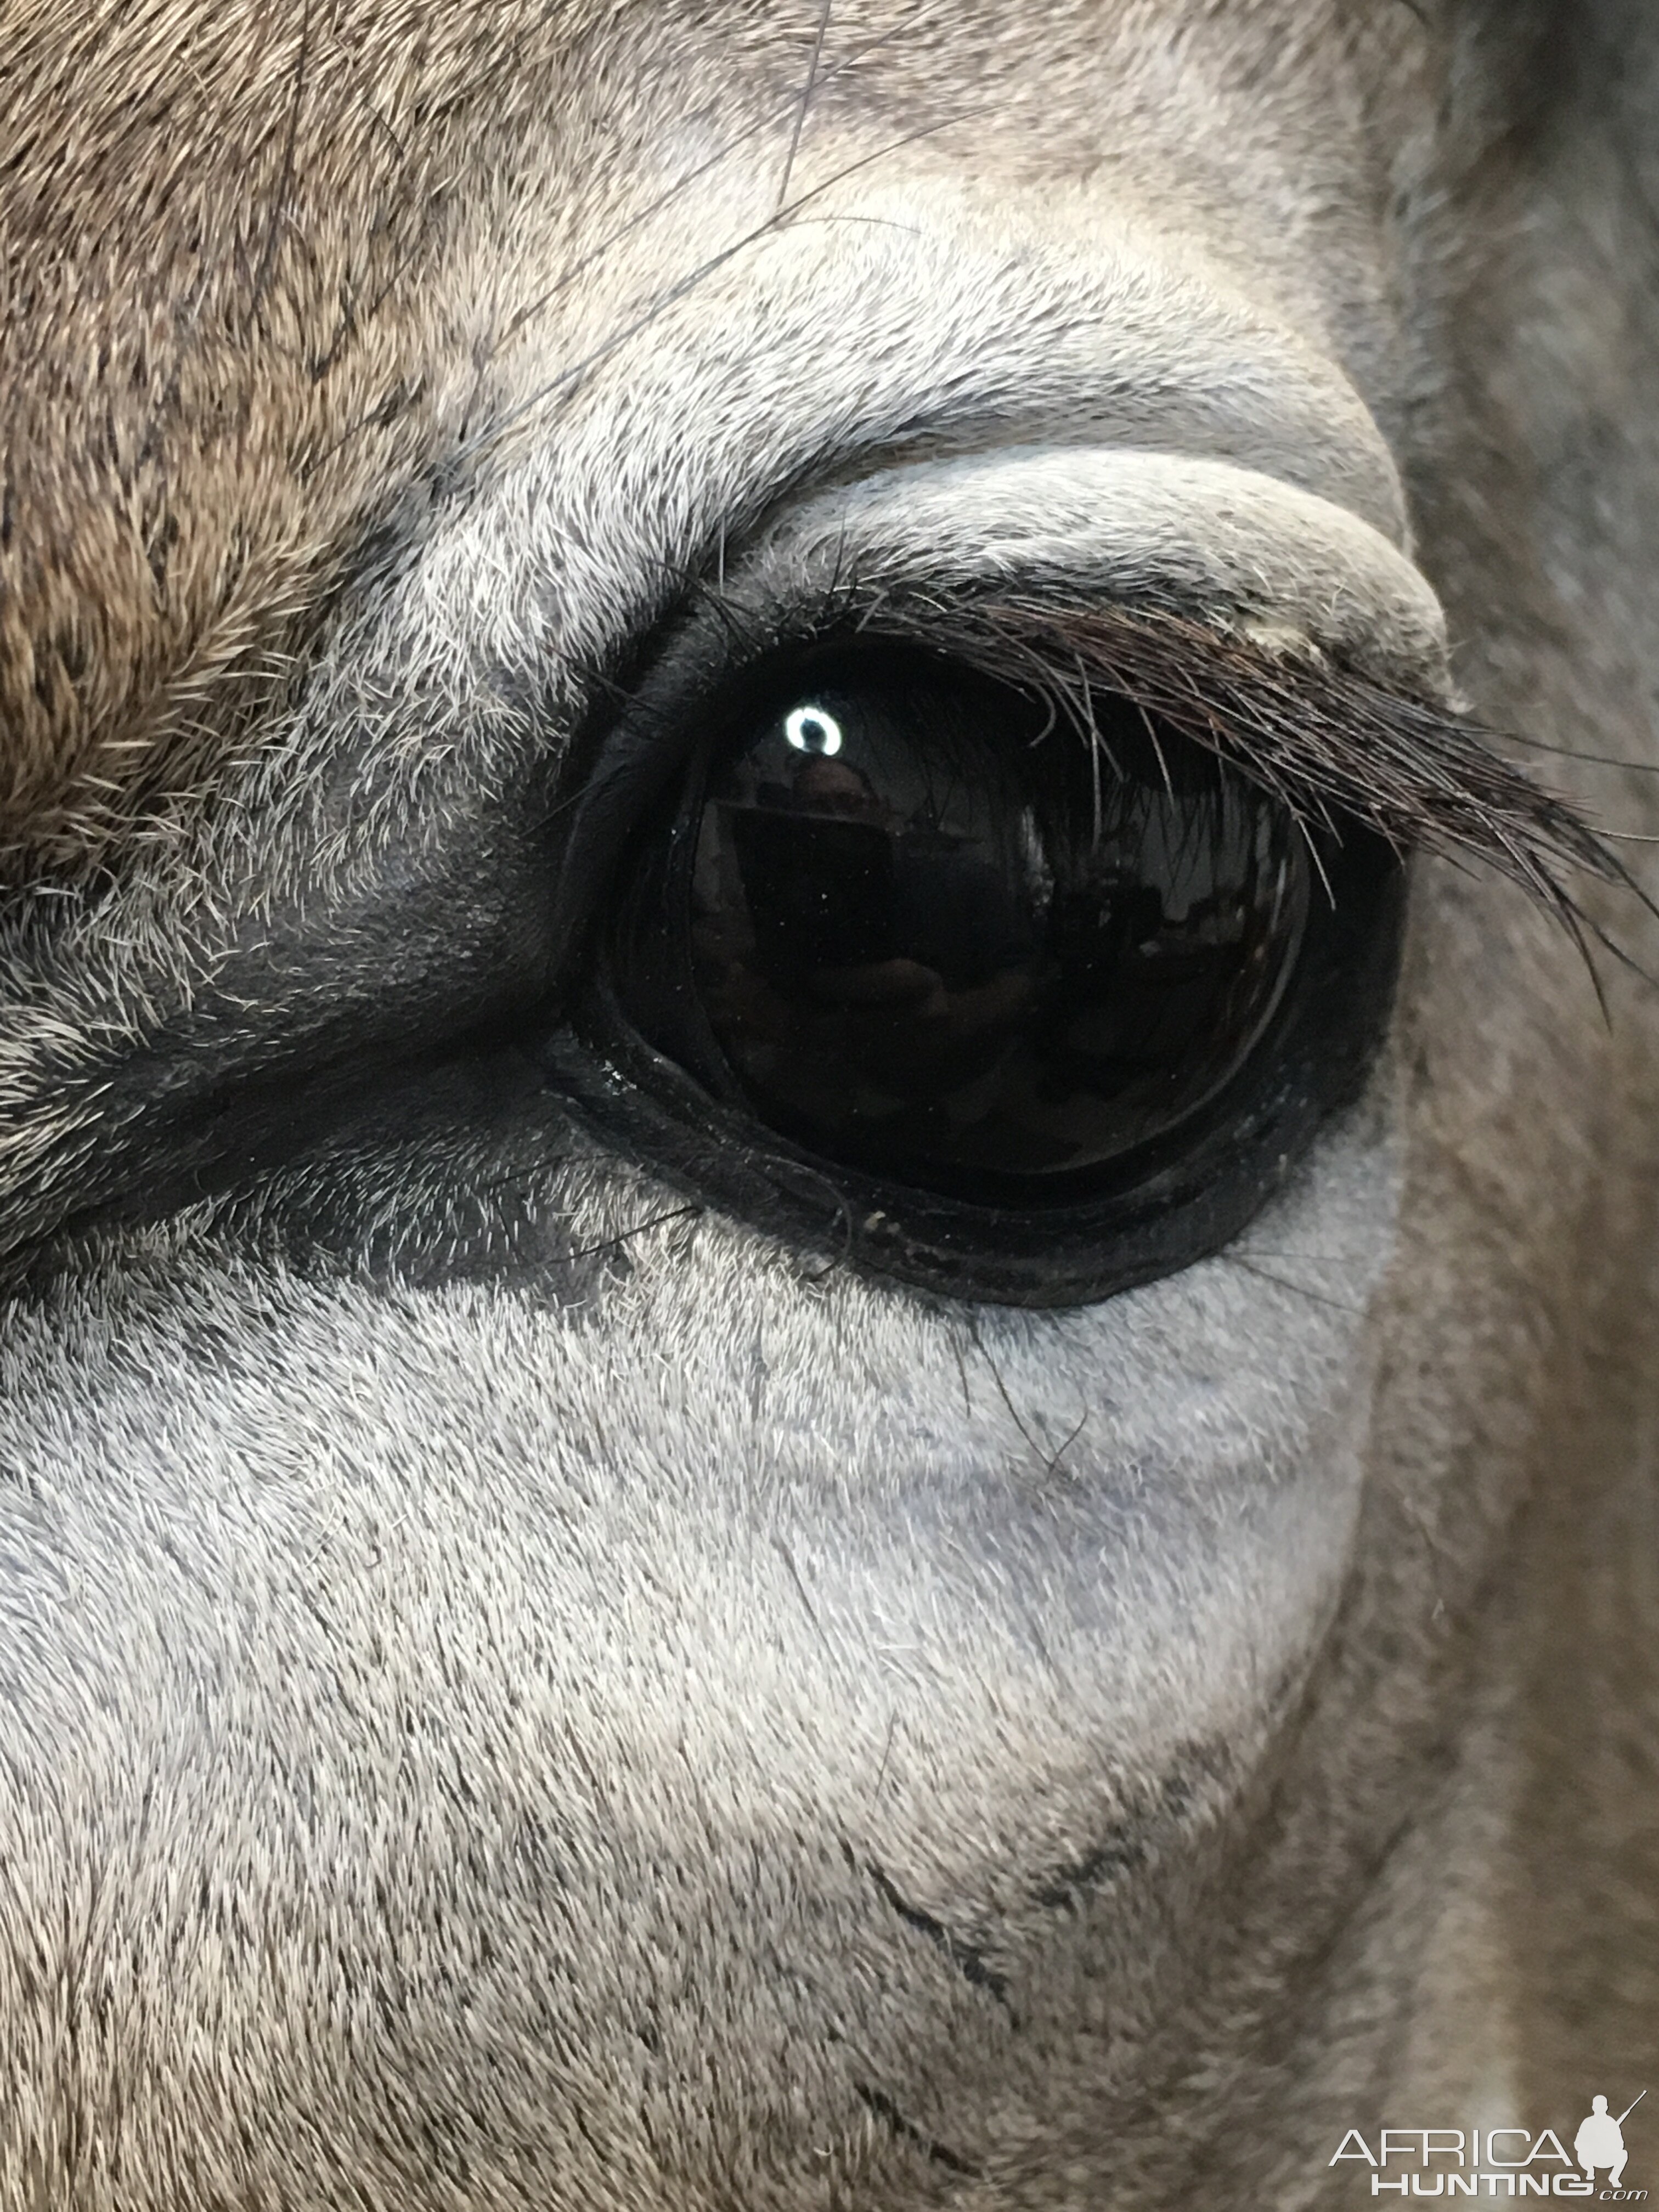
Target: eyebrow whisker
569 378
807 91
682 184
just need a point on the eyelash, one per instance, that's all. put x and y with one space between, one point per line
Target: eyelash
1320 739
1327 743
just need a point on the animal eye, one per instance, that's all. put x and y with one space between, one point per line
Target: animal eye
993 971
921 934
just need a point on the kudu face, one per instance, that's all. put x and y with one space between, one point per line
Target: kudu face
548 1658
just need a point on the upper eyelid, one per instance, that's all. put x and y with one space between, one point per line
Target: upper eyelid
1086 526
1196 536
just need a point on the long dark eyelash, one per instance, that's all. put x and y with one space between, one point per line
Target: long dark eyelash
1323 739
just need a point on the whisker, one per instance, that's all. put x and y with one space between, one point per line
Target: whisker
1002 1389
683 286
1284 1283
638 1229
683 183
1072 1436
807 91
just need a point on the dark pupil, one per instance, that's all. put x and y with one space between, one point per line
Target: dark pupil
940 933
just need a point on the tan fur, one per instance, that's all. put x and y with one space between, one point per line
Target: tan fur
236 347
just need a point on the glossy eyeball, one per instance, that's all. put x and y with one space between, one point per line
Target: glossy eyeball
923 926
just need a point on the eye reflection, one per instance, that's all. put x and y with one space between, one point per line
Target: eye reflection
810 730
936 933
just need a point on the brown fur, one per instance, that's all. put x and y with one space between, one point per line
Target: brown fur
233 355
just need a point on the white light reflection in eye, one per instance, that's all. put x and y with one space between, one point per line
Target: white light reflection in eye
810 730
